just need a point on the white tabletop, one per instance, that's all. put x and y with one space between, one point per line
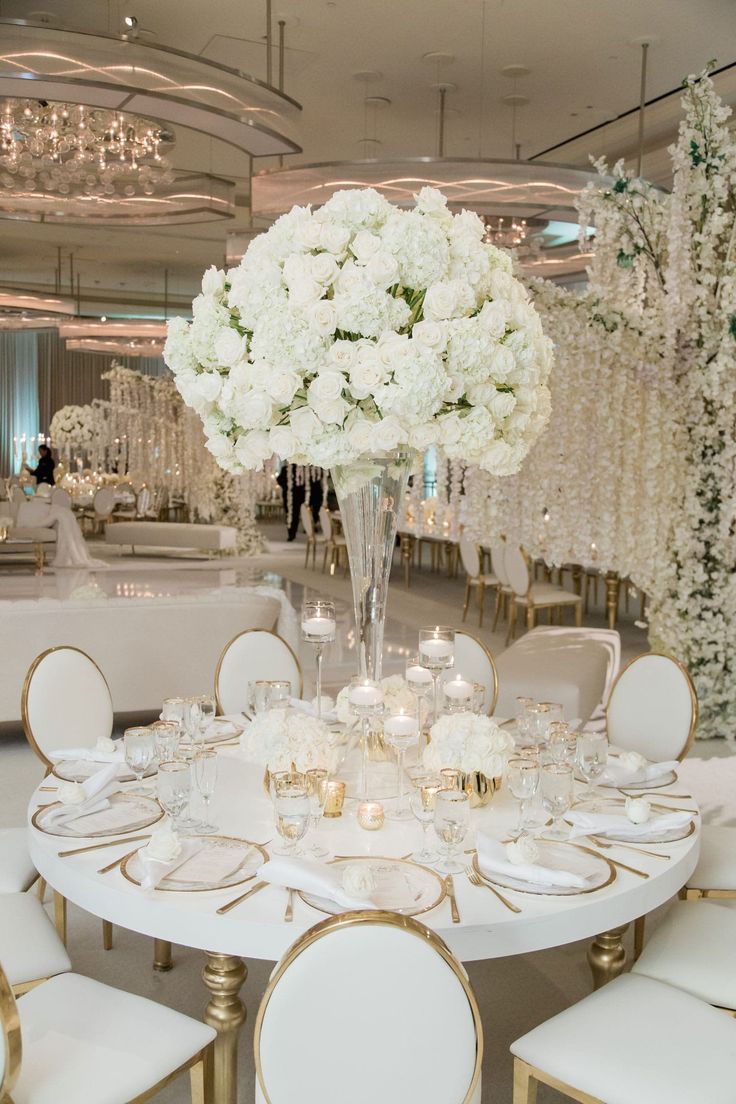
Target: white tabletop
256 929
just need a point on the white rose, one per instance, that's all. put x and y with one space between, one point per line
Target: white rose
638 810
522 851
383 269
305 424
343 354
366 376
494 317
422 436
282 386
252 449
323 268
283 441
164 844
303 292
208 385
501 362
297 267
431 335
230 347
219 445
308 233
330 411
388 433
431 202
104 743
358 880
70 793
359 432
502 403
323 316
633 761
364 246
252 409
213 281
451 428
326 386
440 302
333 238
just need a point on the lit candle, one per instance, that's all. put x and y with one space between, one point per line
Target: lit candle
418 676
365 695
371 815
459 689
318 626
436 648
400 724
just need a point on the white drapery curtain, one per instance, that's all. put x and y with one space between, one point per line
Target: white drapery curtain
19 412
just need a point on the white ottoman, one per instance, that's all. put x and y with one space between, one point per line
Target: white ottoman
172 534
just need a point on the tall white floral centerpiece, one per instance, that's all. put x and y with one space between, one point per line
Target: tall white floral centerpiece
73 427
350 336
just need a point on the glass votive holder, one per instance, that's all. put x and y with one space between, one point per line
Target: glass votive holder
279 694
370 815
479 698
318 621
437 648
365 697
335 799
458 694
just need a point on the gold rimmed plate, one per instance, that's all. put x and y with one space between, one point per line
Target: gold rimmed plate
221 862
594 867
125 813
616 808
657 783
79 770
401 886
220 731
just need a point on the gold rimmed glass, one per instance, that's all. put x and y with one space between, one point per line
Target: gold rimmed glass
522 778
451 822
293 813
426 788
317 781
557 783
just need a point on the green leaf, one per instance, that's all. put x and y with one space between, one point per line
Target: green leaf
732 326
621 185
624 260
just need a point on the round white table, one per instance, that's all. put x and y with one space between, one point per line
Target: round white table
256 928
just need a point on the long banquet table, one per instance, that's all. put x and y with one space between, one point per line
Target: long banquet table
256 929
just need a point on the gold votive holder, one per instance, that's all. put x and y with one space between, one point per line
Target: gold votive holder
371 815
335 799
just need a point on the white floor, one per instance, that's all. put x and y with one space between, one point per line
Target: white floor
514 994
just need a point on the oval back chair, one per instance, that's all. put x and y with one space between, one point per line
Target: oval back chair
473 660
653 708
250 656
60 497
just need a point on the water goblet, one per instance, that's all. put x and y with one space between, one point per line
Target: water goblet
419 681
538 721
166 738
557 786
365 699
140 752
188 823
426 788
202 709
523 718
318 629
317 782
262 696
451 821
173 783
561 743
173 710
592 757
205 777
293 813
436 653
522 777
400 732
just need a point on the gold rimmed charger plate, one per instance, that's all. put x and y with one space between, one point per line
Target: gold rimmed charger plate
659 783
643 840
63 771
243 872
518 886
331 908
235 732
155 812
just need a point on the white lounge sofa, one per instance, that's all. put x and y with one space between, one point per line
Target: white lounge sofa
23 539
173 535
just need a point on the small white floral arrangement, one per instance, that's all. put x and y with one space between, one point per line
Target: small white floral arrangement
523 850
396 696
282 737
358 880
164 844
358 328
469 743
638 810
73 425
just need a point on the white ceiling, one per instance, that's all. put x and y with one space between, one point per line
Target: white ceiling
582 54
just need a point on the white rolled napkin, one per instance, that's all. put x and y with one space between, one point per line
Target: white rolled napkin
164 854
311 877
618 773
603 824
95 793
310 708
492 860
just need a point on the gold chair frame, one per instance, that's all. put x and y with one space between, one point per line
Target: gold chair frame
246 632
526 1081
527 601
491 660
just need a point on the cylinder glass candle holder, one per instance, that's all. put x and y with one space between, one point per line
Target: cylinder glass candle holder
365 699
318 629
459 694
436 653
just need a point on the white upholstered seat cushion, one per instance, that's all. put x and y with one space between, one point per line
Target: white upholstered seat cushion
86 1043
637 1041
716 867
694 948
548 594
17 872
30 947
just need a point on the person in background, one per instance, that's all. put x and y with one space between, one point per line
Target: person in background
44 471
297 498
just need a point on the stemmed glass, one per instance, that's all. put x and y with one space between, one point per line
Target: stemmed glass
173 783
317 780
537 723
592 757
174 710
451 820
561 743
205 777
318 629
426 788
265 694
522 776
202 710
140 753
365 698
186 754
523 718
436 653
557 784
419 681
400 732
293 813
166 737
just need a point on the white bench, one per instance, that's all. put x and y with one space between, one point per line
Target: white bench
19 539
173 534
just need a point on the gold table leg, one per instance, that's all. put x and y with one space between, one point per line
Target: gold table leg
613 587
162 955
224 975
607 956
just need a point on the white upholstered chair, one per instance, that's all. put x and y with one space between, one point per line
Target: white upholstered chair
635 1041
715 874
61 497
473 660
531 596
43 490
368 1006
252 655
475 578
17 872
653 708
31 950
504 591
76 1040
65 702
313 537
335 546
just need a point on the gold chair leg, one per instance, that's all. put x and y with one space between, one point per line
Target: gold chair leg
41 889
481 603
107 935
60 916
466 603
196 1080
525 1084
530 612
511 631
639 926
613 586
162 955
578 614
497 611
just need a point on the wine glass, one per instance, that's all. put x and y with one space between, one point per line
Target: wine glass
557 785
205 777
426 788
451 821
522 776
173 710
317 780
202 710
188 823
561 743
523 717
166 737
293 813
419 681
400 732
173 783
537 723
140 753
592 757
318 629
436 653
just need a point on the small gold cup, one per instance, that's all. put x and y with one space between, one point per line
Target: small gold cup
371 815
335 799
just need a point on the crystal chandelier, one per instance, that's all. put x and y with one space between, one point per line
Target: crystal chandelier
69 149
506 233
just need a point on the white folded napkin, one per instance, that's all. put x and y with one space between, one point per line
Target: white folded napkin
492 860
311 877
310 708
96 791
616 774
155 870
87 755
603 824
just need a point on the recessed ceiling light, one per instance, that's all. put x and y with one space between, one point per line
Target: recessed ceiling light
515 71
444 86
368 76
438 57
513 99
379 102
